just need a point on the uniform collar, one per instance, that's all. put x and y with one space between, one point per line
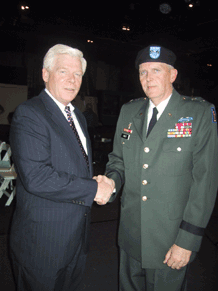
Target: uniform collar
160 107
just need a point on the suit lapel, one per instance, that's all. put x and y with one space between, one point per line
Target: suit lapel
62 124
84 129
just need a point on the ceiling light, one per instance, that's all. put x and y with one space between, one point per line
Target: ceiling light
126 28
165 8
24 7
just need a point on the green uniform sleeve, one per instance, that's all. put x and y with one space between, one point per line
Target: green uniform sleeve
115 165
204 187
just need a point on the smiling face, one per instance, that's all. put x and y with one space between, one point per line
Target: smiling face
64 79
156 80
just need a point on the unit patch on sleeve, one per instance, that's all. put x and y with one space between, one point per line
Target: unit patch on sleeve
213 111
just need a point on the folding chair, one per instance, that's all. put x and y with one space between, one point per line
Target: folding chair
7 173
5 152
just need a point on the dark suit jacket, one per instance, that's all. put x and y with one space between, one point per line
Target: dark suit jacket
55 189
170 184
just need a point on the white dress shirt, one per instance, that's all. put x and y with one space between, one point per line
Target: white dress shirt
160 108
77 125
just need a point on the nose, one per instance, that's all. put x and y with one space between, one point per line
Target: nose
149 76
72 78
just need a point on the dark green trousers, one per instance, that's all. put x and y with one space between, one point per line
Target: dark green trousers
133 278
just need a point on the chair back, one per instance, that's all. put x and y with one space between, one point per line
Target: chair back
5 155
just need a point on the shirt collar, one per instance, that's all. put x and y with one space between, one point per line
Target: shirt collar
59 104
160 107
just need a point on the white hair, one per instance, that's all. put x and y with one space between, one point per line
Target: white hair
170 67
48 60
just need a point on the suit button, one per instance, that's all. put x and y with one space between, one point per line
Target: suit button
144 198
179 149
144 182
146 150
145 166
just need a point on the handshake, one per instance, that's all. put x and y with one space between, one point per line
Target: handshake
105 189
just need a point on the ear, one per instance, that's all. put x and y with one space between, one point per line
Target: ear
173 75
45 75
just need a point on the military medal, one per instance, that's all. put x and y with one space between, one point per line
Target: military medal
182 129
128 130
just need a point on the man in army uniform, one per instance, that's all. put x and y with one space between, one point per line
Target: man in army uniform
165 155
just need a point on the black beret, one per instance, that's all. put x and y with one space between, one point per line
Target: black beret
155 53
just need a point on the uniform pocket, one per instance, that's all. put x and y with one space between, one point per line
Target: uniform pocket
176 157
129 147
178 145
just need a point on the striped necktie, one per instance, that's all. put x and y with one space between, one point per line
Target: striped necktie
72 124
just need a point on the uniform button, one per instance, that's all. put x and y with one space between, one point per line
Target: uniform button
147 150
145 166
179 149
144 198
144 182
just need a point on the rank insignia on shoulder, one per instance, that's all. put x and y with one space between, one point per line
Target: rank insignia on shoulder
136 99
213 111
200 99
185 119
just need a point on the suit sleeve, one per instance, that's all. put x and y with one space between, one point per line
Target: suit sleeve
204 187
115 165
31 150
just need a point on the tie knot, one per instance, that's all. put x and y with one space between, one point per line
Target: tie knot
67 109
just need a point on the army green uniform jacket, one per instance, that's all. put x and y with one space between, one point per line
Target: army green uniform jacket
170 178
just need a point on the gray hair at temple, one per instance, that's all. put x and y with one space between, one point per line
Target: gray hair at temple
62 49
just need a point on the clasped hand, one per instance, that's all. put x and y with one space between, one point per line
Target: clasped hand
177 257
105 189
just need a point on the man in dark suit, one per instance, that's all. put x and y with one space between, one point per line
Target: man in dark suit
55 190
165 154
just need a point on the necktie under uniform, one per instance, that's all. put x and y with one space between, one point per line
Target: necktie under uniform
153 120
72 125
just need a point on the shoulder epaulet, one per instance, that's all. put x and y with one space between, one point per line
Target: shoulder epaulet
137 99
199 99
